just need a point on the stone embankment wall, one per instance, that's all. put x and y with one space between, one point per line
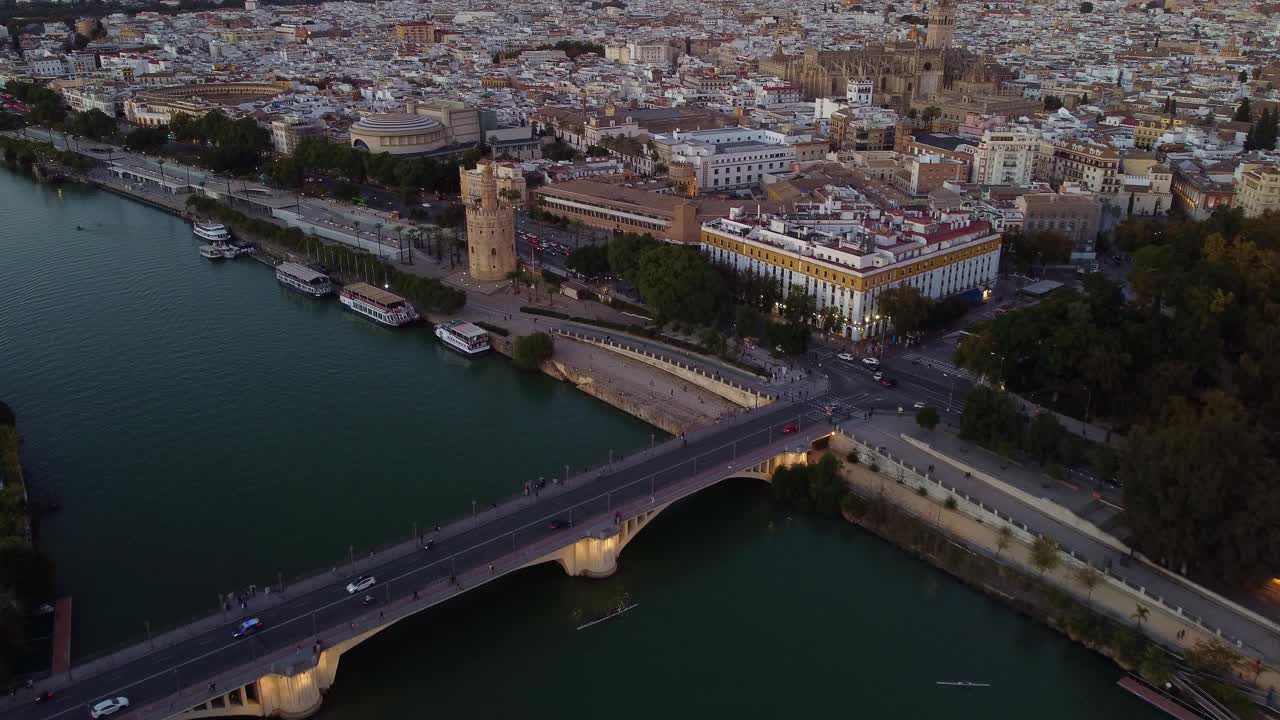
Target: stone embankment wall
667 417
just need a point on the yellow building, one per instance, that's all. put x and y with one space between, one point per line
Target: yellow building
491 231
846 264
1151 127
398 134
1259 191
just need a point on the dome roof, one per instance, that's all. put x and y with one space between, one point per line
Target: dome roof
395 123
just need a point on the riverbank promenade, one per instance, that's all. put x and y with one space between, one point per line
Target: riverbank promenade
581 522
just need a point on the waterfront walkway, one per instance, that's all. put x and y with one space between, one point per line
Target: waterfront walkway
185 666
1255 635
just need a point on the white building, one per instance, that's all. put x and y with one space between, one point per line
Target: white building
860 92
730 158
942 253
1006 156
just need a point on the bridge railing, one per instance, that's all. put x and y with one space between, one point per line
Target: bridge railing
421 588
221 619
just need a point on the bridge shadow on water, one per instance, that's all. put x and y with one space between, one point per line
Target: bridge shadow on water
743 608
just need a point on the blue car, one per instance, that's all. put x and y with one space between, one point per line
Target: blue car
248 627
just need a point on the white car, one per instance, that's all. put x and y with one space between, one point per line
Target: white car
361 583
918 405
870 361
110 706
846 357
877 374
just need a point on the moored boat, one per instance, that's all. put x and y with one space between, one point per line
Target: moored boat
304 279
377 304
213 232
463 336
212 252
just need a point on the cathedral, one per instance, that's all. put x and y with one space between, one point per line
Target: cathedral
900 72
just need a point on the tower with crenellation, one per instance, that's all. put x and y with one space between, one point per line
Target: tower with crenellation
491 232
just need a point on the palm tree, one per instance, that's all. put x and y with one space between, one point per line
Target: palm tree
1140 614
1088 577
1004 536
378 227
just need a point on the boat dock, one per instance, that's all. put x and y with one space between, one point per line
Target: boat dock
1157 699
62 635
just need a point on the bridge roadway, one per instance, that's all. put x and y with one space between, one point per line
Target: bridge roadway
181 664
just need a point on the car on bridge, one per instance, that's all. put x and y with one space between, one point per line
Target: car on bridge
110 706
248 627
363 582
788 429
558 524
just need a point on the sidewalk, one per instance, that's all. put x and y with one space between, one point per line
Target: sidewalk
1110 597
1235 623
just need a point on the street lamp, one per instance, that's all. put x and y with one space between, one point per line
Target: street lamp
1001 376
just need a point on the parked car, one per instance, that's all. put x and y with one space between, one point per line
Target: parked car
248 627
110 706
361 583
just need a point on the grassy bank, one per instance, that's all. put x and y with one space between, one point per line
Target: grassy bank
25 574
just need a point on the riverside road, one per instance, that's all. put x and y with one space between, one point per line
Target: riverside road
151 676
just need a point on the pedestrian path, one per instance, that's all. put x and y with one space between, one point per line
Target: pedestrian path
941 366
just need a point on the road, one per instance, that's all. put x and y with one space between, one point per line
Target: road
154 675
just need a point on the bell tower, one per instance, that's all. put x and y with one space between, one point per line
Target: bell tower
942 24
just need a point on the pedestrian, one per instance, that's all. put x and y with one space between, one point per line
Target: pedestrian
415 594
213 687
490 568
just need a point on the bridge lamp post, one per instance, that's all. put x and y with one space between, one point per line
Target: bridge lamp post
150 641
473 511
351 553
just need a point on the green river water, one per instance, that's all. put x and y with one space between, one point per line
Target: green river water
204 428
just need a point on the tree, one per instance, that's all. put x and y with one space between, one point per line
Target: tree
145 139
1052 103
1086 7
800 306
530 351
1213 658
927 418
1004 536
1140 614
589 260
678 283
1244 113
93 124
1044 434
1199 493
1088 577
1044 554
1156 666
905 306
1243 77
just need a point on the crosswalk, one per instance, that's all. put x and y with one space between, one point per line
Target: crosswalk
841 406
941 366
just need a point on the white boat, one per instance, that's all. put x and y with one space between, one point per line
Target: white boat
463 336
303 279
213 252
378 304
215 233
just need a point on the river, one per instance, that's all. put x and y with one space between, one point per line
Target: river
204 429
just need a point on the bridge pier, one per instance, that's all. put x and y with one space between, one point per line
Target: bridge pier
596 555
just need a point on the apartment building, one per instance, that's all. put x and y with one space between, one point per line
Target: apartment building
1258 191
1005 156
1093 166
1079 217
